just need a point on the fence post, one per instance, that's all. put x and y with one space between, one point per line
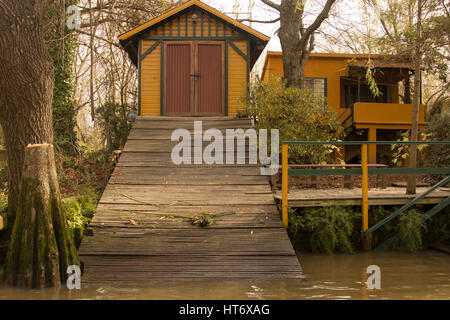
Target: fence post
284 184
365 196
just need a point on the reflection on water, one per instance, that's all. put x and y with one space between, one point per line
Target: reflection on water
424 275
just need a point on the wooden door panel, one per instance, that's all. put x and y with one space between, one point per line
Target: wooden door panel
210 81
178 68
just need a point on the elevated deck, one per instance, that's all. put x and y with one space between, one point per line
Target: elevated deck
142 230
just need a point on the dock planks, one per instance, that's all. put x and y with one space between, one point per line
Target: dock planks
140 230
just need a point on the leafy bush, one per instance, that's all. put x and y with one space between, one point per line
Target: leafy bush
3 177
114 123
410 231
437 128
298 114
3 202
339 229
437 228
74 215
328 229
376 214
407 228
400 152
88 199
80 210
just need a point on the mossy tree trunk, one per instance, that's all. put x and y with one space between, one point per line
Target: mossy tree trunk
41 246
26 86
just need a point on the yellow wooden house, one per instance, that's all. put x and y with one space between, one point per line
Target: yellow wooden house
340 78
192 61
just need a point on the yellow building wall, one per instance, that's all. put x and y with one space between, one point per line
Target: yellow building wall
150 80
237 77
399 115
331 68
367 115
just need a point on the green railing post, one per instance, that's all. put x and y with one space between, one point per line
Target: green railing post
285 185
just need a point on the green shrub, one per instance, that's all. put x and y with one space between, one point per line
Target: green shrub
75 219
339 229
437 228
3 202
327 229
377 214
88 199
80 210
410 228
3 177
437 129
298 114
113 119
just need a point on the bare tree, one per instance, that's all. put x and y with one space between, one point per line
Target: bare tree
103 71
297 39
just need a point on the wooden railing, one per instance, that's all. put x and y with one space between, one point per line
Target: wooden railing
363 172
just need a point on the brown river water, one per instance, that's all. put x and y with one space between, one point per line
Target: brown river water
423 275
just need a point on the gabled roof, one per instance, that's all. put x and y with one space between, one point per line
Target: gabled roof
189 4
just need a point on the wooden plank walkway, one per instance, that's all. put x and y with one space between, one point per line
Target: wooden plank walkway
138 234
352 197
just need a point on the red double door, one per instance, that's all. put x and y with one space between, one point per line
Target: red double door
193 78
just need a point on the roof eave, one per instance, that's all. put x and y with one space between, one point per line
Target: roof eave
187 5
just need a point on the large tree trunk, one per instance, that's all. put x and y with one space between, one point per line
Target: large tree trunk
26 86
289 35
411 187
297 41
41 247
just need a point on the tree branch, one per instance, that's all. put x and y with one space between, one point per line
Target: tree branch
272 4
319 19
259 21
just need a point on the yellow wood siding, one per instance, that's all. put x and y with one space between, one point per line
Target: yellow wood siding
367 115
183 26
150 80
237 76
220 29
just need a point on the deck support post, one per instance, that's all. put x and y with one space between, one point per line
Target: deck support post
284 185
365 197
373 147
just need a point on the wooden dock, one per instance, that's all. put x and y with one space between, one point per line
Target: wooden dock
142 230
352 197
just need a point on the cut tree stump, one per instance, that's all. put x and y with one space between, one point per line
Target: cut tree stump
41 246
